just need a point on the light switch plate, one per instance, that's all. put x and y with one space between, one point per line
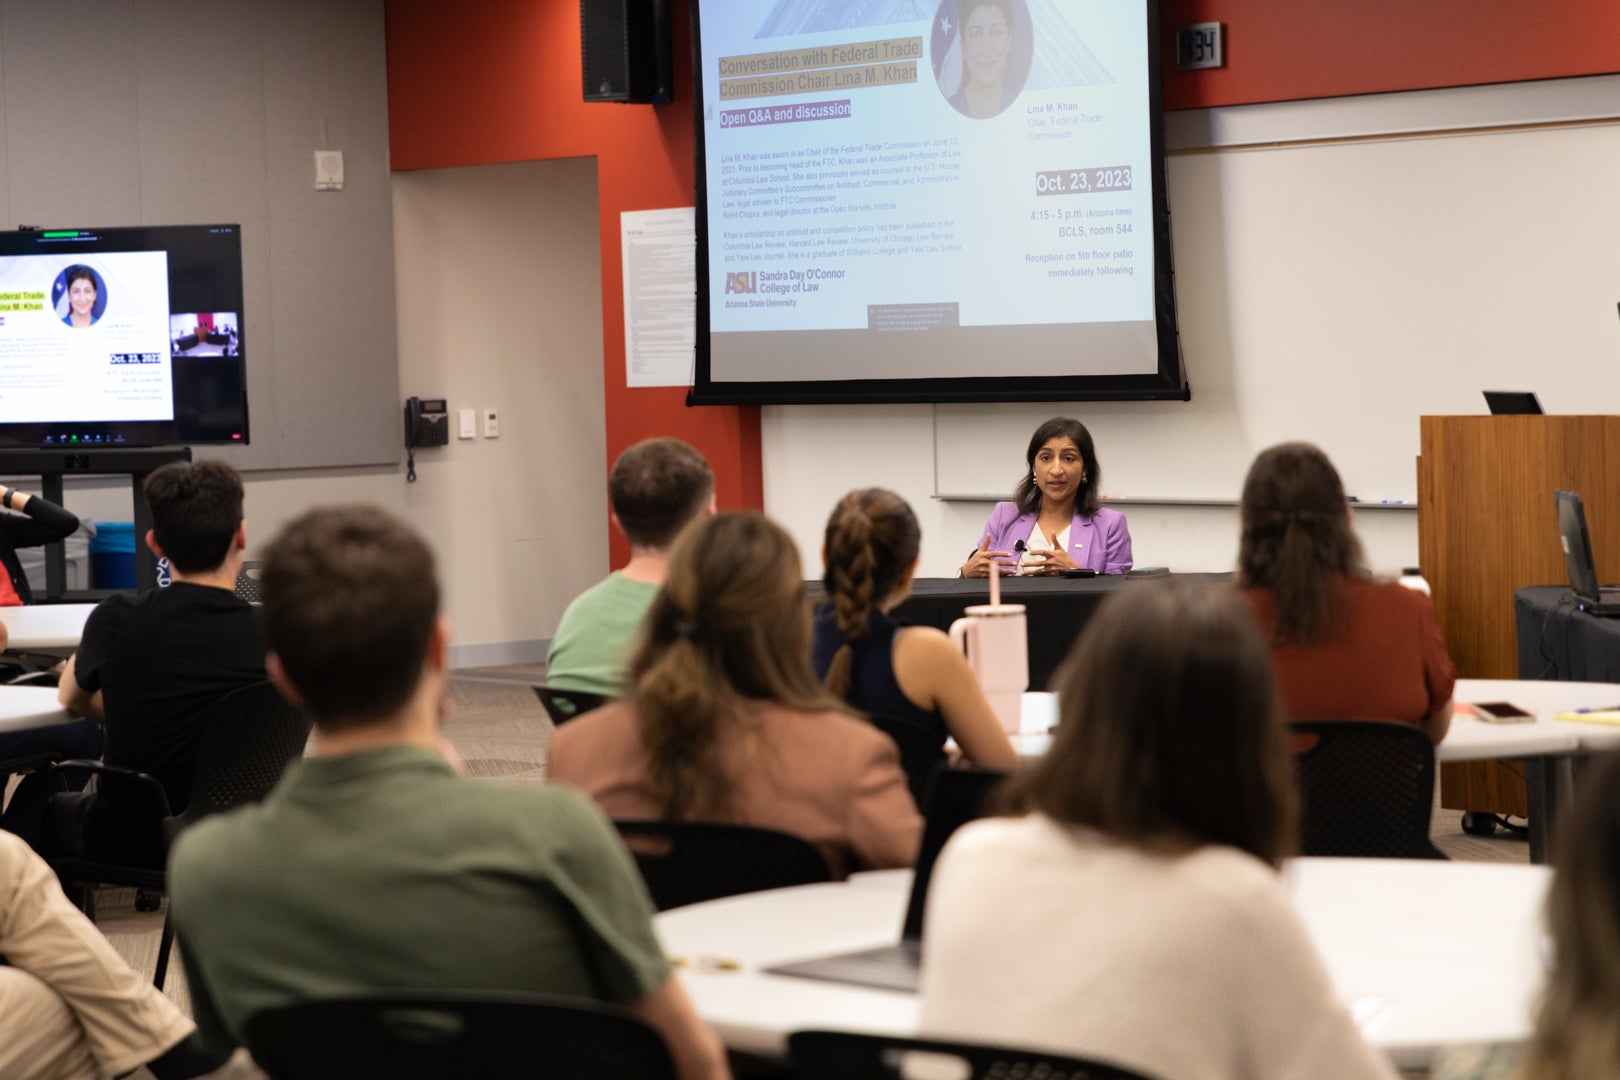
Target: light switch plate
467 423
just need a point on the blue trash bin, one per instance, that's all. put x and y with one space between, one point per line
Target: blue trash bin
112 555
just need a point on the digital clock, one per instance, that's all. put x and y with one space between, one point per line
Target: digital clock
1199 45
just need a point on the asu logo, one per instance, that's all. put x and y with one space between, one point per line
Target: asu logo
741 283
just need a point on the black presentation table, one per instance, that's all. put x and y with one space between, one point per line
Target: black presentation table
1056 608
1556 641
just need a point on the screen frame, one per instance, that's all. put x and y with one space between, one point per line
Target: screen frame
185 429
1168 383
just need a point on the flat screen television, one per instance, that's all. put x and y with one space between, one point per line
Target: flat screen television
122 337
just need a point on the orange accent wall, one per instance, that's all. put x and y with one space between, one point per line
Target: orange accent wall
1282 50
499 80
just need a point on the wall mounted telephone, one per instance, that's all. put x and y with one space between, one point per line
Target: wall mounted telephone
427 423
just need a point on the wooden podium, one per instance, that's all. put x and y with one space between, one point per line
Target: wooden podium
1486 526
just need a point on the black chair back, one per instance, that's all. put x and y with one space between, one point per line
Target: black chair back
247 583
249 737
687 862
840 1055
431 1036
921 752
564 705
1366 789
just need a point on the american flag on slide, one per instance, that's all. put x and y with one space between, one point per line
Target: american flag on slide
946 49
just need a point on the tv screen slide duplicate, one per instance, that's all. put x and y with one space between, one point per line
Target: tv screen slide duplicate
882 197
85 338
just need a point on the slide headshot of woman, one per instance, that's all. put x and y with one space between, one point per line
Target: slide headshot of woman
83 293
993 42
1054 514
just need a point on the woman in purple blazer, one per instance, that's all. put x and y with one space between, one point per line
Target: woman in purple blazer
1054 513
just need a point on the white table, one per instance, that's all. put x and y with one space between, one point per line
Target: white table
1427 954
25 707
46 627
1548 746
1468 740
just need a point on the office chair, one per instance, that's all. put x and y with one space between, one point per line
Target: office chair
249 737
410 1035
841 1055
564 705
687 862
1366 789
247 583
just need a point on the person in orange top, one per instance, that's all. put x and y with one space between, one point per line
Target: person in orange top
726 722
1346 647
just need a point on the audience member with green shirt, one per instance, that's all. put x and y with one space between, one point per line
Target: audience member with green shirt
373 866
655 488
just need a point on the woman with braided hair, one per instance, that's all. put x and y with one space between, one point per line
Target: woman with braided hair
724 720
1346 647
862 655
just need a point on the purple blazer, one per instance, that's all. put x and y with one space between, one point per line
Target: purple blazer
1101 542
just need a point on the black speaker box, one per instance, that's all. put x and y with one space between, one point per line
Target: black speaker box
626 48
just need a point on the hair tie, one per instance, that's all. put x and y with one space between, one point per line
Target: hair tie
686 627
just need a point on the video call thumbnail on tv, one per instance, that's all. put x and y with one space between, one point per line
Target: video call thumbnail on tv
123 336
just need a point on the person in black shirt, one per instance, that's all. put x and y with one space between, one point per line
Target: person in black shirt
150 666
35 523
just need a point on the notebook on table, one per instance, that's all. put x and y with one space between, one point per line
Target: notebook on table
956 798
1603 601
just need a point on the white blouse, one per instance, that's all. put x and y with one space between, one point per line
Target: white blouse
1037 541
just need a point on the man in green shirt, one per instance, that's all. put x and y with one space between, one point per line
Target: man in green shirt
655 488
373 866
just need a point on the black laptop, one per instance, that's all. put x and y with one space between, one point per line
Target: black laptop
956 798
1589 596
1512 403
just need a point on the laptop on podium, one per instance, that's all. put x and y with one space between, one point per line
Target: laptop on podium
956 798
1589 596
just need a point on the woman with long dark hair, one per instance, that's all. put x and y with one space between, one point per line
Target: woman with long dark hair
1131 910
1055 514
725 720
865 657
1346 647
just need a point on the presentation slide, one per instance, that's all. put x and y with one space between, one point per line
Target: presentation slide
85 338
900 189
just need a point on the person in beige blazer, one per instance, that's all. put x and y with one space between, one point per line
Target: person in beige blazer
727 722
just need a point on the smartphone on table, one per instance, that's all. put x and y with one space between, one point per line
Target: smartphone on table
1502 712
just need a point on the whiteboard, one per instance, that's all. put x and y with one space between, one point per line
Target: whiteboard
1337 292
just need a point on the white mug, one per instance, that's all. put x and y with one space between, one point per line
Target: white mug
996 640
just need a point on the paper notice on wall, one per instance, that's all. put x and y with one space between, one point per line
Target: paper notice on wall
659 249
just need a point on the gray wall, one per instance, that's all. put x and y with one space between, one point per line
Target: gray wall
185 111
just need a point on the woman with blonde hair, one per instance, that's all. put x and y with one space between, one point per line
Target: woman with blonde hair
1132 911
726 722
863 655
1345 646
